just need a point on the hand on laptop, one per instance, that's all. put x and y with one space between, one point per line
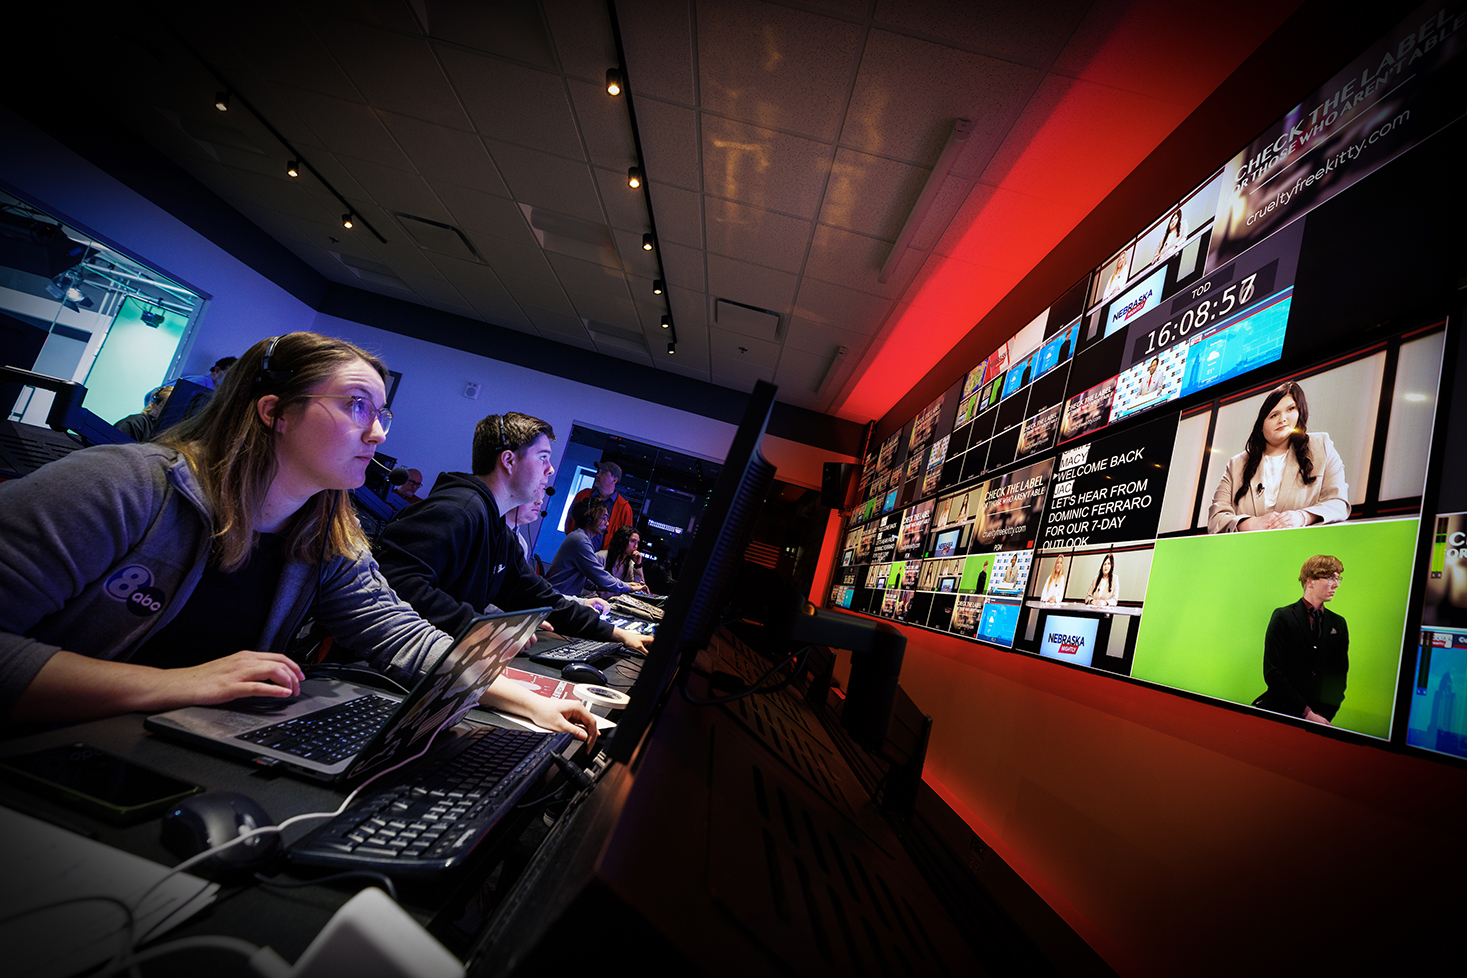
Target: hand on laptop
632 640
565 715
245 673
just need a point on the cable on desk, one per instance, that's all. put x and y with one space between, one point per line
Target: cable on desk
262 960
381 878
129 927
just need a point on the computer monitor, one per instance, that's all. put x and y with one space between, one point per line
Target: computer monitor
716 555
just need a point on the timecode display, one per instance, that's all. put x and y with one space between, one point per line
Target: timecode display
1205 306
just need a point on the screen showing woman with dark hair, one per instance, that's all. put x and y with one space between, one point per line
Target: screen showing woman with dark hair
1105 590
1286 477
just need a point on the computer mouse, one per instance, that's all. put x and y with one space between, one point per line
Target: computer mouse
583 672
204 821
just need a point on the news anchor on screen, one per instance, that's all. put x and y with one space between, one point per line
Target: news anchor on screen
1054 585
1286 477
1306 650
1105 591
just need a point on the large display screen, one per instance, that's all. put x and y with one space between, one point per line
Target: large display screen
1214 480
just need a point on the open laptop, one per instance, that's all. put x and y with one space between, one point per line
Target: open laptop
340 731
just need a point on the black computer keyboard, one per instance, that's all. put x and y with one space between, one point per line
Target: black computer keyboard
430 820
329 735
576 650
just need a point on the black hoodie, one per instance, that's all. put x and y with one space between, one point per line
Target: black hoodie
451 555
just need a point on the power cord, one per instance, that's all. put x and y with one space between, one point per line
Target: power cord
381 878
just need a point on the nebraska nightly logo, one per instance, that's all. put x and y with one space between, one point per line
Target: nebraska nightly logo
1066 644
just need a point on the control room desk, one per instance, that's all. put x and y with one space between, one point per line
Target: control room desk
454 907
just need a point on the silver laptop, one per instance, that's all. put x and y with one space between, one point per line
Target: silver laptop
340 731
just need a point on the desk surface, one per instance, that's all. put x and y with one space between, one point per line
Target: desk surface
453 907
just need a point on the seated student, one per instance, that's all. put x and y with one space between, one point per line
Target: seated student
575 567
149 577
141 426
622 559
451 555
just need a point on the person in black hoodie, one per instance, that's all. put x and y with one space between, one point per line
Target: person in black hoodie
451 555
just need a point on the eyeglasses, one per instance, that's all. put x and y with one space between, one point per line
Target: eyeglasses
362 412
1329 580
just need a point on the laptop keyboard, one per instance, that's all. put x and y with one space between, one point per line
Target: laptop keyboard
328 735
432 820
578 650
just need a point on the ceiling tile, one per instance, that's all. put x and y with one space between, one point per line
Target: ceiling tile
683 266
871 194
500 313
581 32
669 143
393 71
853 260
565 323
775 67
475 281
801 373
756 235
1030 33
509 28
635 261
751 285
584 276
738 361
485 214
689 309
280 47
1077 140
822 339
658 39
332 172
626 208
552 182
1005 230
909 92
679 214
513 102
577 339
764 168
826 303
346 127
397 190
441 153
945 204
538 295
288 198
606 129
514 263
608 308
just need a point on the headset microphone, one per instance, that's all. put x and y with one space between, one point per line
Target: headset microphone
395 477
549 490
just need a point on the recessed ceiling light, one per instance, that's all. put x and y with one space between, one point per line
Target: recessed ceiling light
292 169
221 101
346 220
634 177
647 241
613 82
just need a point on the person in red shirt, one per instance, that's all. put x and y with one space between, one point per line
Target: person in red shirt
608 474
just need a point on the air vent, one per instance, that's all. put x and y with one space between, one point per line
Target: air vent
371 272
437 237
604 334
746 319
569 236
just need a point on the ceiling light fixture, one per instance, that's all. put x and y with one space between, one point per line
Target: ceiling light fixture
221 101
634 177
671 347
613 82
292 168
647 241
657 286
666 321
346 220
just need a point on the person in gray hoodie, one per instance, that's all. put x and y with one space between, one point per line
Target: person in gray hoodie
148 577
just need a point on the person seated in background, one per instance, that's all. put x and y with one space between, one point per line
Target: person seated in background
1054 584
409 489
450 556
155 576
215 376
622 559
141 426
1105 592
575 568
608 475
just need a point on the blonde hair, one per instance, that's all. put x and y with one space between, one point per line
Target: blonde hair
233 455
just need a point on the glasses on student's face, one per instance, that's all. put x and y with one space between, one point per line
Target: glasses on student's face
361 411
1333 581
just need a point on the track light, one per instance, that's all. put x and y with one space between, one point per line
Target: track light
292 169
613 81
657 286
671 347
634 177
221 101
346 220
666 321
647 241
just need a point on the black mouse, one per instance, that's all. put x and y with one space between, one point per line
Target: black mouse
583 672
204 821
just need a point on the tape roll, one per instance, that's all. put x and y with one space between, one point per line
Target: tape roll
594 695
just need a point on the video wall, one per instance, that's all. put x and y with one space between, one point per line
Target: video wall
1206 466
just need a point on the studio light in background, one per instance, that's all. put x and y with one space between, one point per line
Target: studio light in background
346 220
292 169
647 241
221 101
152 317
634 177
613 82
65 287
657 287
